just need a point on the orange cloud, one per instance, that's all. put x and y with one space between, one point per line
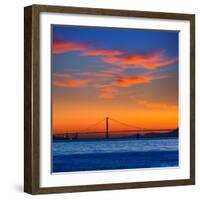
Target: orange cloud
113 71
103 85
133 80
160 63
102 52
140 58
111 59
157 106
108 93
61 76
99 74
70 83
67 46
126 81
150 60
103 74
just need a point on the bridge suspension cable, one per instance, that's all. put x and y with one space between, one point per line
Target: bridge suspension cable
92 125
106 121
125 124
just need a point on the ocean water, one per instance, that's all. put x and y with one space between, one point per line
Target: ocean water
87 155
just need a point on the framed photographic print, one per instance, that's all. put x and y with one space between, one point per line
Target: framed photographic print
109 99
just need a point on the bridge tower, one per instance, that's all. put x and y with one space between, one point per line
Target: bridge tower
107 136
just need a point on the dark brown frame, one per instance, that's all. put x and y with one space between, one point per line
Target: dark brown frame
32 104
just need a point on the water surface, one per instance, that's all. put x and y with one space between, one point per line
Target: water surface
87 155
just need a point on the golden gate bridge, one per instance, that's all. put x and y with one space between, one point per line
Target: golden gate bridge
107 132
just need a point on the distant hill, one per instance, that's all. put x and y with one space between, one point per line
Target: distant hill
173 134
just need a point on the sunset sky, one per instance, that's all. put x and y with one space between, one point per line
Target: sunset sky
126 74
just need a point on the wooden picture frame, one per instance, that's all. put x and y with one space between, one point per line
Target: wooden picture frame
32 107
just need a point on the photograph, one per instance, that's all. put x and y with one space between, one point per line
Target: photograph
114 98
109 99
